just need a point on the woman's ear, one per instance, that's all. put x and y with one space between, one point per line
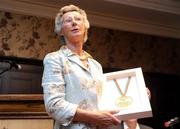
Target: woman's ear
61 33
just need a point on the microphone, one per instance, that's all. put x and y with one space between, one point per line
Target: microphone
171 122
13 64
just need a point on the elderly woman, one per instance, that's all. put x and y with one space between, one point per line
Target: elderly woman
72 79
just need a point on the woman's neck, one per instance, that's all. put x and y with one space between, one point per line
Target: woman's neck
75 47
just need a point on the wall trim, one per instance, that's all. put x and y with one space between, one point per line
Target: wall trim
169 6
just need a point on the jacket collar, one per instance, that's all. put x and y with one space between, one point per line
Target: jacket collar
70 55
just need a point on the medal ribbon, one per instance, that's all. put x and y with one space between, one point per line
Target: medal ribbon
126 88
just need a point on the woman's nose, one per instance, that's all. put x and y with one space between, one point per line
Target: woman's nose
74 22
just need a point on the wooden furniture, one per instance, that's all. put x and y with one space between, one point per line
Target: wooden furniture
26 124
26 80
21 97
23 111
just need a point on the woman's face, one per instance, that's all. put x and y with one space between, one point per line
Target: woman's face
73 27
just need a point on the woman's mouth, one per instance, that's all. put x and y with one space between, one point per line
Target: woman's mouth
75 30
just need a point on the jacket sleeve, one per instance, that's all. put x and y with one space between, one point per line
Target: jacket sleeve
54 91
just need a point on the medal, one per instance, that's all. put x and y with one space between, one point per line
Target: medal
123 101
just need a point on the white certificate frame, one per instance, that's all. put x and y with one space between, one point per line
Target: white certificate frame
140 107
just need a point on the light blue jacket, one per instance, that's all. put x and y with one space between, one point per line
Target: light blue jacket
67 84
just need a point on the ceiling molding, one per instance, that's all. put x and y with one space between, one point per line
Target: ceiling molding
27 8
96 18
169 6
133 25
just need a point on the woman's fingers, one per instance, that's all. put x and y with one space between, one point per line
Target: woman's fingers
148 93
110 119
114 111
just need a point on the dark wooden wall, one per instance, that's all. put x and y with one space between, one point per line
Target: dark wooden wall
26 80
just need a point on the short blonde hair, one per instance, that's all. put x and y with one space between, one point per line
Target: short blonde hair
59 20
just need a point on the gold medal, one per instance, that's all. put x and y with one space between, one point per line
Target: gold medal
123 101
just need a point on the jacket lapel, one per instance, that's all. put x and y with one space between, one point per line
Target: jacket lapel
72 57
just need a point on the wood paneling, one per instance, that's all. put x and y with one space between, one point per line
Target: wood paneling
26 124
23 111
22 103
26 80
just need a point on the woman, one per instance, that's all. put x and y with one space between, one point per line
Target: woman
72 79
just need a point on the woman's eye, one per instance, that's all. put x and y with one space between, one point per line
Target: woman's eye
78 19
67 20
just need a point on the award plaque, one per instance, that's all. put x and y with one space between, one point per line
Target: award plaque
125 91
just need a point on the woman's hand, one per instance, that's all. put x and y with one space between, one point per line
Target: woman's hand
97 118
148 93
106 118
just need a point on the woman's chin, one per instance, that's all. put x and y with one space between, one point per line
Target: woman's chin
76 39
76 34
